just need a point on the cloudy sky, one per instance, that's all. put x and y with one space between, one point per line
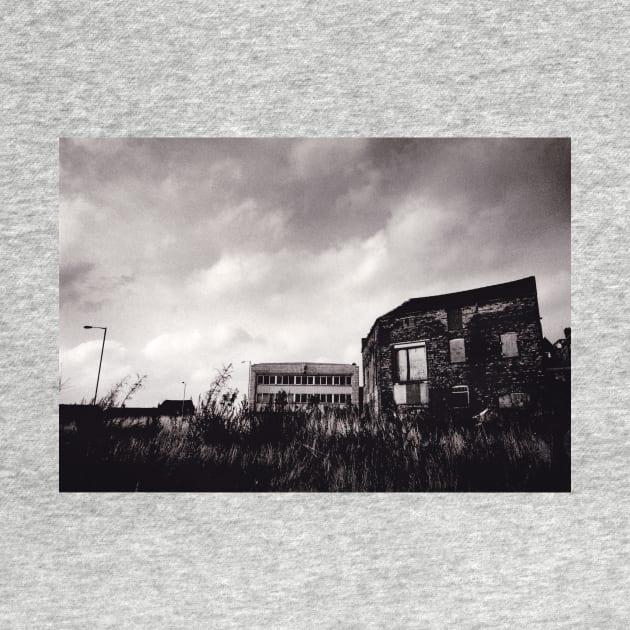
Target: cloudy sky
201 252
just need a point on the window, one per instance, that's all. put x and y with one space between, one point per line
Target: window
259 379
348 380
460 396
412 362
458 350
336 380
411 393
310 380
454 318
509 344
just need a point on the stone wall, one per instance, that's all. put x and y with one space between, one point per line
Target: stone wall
493 379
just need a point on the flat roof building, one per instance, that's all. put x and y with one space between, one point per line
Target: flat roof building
334 384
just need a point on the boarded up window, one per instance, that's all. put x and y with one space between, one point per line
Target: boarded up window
454 316
417 394
417 363
509 345
458 350
411 394
403 374
412 363
400 394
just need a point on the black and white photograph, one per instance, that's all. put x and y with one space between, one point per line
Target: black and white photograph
314 314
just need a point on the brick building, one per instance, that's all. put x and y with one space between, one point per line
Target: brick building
332 384
471 349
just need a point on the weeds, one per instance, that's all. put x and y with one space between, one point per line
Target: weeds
294 451
225 447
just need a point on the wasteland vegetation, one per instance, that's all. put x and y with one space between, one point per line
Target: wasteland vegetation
226 447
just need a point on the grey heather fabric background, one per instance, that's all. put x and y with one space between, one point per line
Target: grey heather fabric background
171 68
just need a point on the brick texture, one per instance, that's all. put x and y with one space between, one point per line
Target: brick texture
486 315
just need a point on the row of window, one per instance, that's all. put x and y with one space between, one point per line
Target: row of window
291 379
418 394
412 358
302 399
509 347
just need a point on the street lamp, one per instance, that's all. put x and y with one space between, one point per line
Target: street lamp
104 329
183 398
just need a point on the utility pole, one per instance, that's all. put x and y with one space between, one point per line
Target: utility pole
104 329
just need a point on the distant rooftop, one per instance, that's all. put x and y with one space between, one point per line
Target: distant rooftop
303 367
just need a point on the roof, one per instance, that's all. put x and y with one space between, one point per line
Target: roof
304 367
176 404
516 288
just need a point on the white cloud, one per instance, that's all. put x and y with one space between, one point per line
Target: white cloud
168 345
79 367
230 274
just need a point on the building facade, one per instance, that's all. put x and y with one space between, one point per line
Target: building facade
473 349
301 384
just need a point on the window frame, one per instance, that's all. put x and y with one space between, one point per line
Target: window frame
409 346
462 389
450 350
503 345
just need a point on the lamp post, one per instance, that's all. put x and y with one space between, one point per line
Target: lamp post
104 329
183 398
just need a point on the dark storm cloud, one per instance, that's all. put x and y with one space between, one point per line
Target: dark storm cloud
72 276
330 189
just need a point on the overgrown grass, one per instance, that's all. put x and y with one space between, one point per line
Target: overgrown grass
226 448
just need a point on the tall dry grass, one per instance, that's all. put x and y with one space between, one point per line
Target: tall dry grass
308 451
225 447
